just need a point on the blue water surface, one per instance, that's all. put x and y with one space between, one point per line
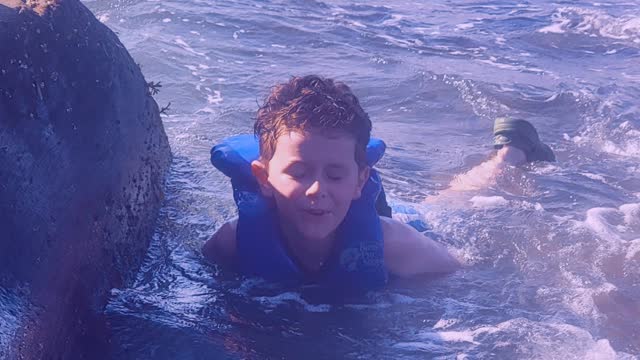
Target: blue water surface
553 251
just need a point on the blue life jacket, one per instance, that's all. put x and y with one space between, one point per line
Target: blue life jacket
357 263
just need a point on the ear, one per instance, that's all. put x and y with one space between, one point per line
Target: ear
363 176
261 173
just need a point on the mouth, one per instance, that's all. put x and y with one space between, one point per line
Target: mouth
317 212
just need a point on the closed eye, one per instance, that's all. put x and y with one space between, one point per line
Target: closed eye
336 173
296 170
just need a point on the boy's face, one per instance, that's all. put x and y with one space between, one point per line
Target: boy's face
313 177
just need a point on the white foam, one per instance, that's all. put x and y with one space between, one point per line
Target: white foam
617 236
633 251
537 339
580 293
558 27
434 341
450 336
403 43
488 201
493 61
289 297
623 140
183 44
206 110
237 33
358 24
464 26
594 176
381 301
616 227
394 20
598 221
444 323
631 214
103 18
624 148
166 20
215 99
594 22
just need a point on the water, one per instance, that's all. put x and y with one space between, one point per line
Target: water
553 253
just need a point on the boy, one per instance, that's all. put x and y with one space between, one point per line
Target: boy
314 179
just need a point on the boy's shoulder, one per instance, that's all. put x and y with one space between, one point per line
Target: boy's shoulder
395 244
221 247
408 252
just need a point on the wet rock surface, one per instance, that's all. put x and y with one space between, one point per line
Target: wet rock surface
83 155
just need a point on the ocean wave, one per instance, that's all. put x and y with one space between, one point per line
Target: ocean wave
612 260
623 139
615 226
527 338
574 20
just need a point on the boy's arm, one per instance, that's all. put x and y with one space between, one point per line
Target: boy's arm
221 248
408 252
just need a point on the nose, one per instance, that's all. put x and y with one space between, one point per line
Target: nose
316 190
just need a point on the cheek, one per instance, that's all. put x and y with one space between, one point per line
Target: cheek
286 188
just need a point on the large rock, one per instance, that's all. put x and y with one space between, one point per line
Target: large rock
83 155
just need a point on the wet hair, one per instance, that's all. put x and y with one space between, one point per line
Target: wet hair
311 103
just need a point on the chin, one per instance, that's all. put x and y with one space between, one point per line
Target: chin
317 233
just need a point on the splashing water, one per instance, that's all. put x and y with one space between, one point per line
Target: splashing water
553 251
